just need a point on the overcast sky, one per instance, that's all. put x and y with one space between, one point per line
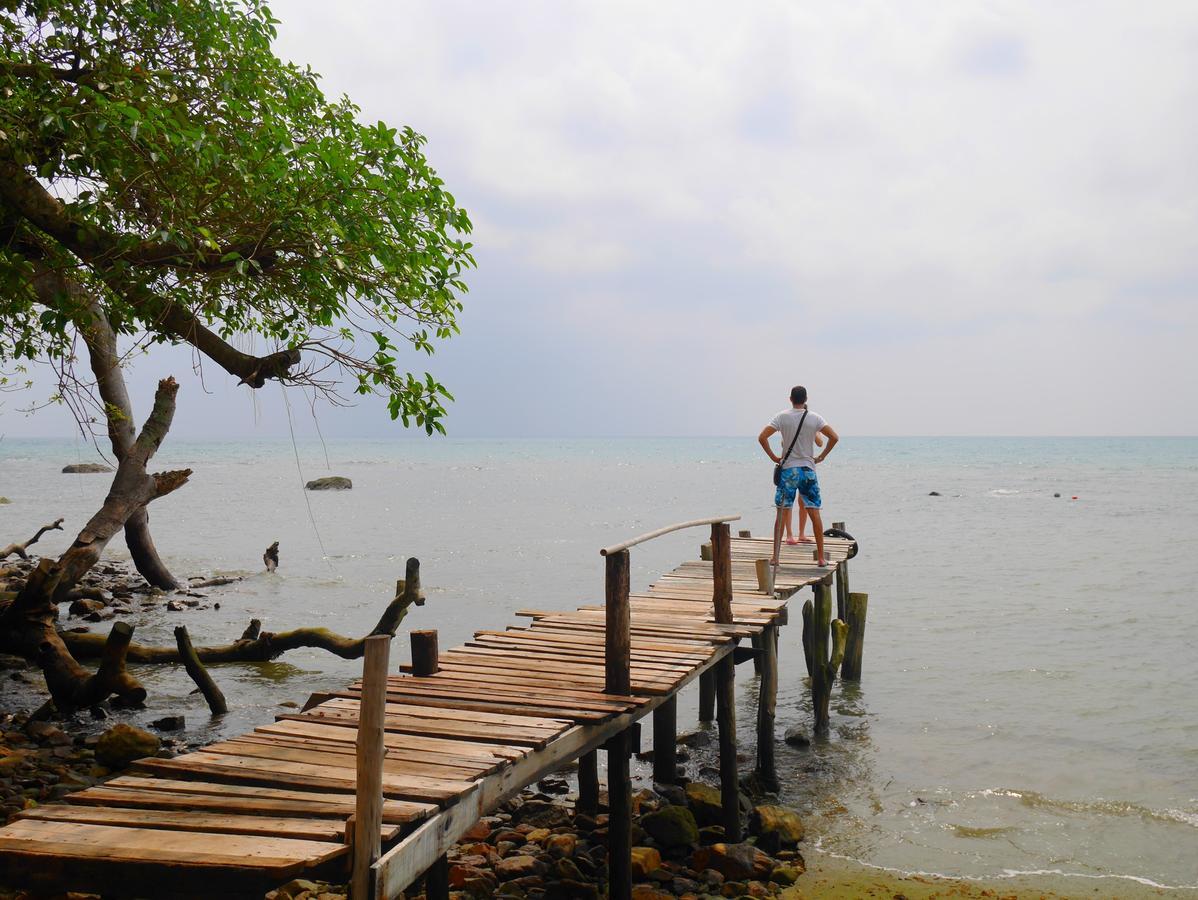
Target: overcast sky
944 218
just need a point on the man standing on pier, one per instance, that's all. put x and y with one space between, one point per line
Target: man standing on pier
798 427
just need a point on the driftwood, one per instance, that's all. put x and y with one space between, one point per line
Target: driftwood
27 624
195 668
271 557
256 645
213 582
19 549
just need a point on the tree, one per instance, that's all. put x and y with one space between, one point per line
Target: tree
165 178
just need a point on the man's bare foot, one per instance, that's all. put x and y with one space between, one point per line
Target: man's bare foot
773 562
823 564
793 541
805 540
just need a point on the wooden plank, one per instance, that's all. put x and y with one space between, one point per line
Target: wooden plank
544 660
264 748
435 747
431 762
516 685
481 733
536 723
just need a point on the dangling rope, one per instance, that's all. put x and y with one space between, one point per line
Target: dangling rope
300 473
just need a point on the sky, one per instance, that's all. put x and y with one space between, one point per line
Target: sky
943 218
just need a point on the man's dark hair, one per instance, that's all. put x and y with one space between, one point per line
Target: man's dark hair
798 394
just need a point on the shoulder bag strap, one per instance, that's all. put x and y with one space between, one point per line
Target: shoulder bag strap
798 430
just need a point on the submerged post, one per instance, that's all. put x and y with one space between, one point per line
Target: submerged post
368 817
665 741
618 680
588 784
855 643
767 773
725 678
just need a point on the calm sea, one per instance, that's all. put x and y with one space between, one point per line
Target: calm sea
1030 696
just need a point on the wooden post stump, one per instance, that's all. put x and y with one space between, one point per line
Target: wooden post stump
426 659
368 817
854 645
199 674
767 772
818 628
588 784
842 583
618 680
745 533
665 741
725 681
765 575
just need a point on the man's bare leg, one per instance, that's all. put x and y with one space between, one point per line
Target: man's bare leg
817 524
789 522
779 524
802 522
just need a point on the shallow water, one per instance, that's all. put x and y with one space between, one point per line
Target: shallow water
1029 696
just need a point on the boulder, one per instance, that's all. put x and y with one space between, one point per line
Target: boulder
775 827
83 606
121 744
85 468
561 845
330 483
4 500
519 865
671 826
169 723
785 875
542 814
796 737
648 892
644 861
740 862
705 803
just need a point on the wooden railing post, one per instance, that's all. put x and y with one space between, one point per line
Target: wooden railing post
842 582
725 681
368 817
665 741
618 681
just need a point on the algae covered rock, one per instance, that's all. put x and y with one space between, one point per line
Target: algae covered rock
671 826
738 862
330 483
644 861
775 827
85 468
705 803
121 744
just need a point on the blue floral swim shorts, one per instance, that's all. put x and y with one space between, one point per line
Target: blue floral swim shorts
799 480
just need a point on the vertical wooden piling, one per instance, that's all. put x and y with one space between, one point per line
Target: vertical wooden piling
745 533
765 575
368 816
425 656
842 583
825 637
855 642
707 696
618 680
767 773
426 661
588 784
665 741
725 681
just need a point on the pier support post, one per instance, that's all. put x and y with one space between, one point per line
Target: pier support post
767 700
818 631
618 681
588 784
665 741
855 643
842 583
425 656
744 533
368 816
707 696
765 575
725 678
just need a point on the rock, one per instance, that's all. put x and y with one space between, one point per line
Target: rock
671 826
175 605
571 889
83 606
933 493
734 861
695 739
330 483
45 733
85 468
648 892
561 845
705 803
479 831
518 865
121 744
671 793
100 615
775 827
796 737
542 814
537 835
5 500
169 723
644 861
785 875
711 834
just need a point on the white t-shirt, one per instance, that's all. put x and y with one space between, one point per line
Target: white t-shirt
803 453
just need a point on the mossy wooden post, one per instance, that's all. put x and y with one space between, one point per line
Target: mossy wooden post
588 784
665 741
765 575
855 643
368 817
618 681
725 681
842 583
705 552
819 629
426 661
767 700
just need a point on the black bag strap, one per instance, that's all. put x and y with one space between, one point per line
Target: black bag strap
798 431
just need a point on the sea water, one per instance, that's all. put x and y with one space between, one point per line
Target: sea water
1029 700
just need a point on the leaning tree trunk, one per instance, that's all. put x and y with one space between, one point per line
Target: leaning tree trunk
27 624
97 333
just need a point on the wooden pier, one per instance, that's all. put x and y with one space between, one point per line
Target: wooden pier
377 782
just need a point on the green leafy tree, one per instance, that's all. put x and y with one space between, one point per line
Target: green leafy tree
164 177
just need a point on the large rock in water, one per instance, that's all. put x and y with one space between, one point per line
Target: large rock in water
330 483
121 744
775 827
736 862
85 468
671 826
